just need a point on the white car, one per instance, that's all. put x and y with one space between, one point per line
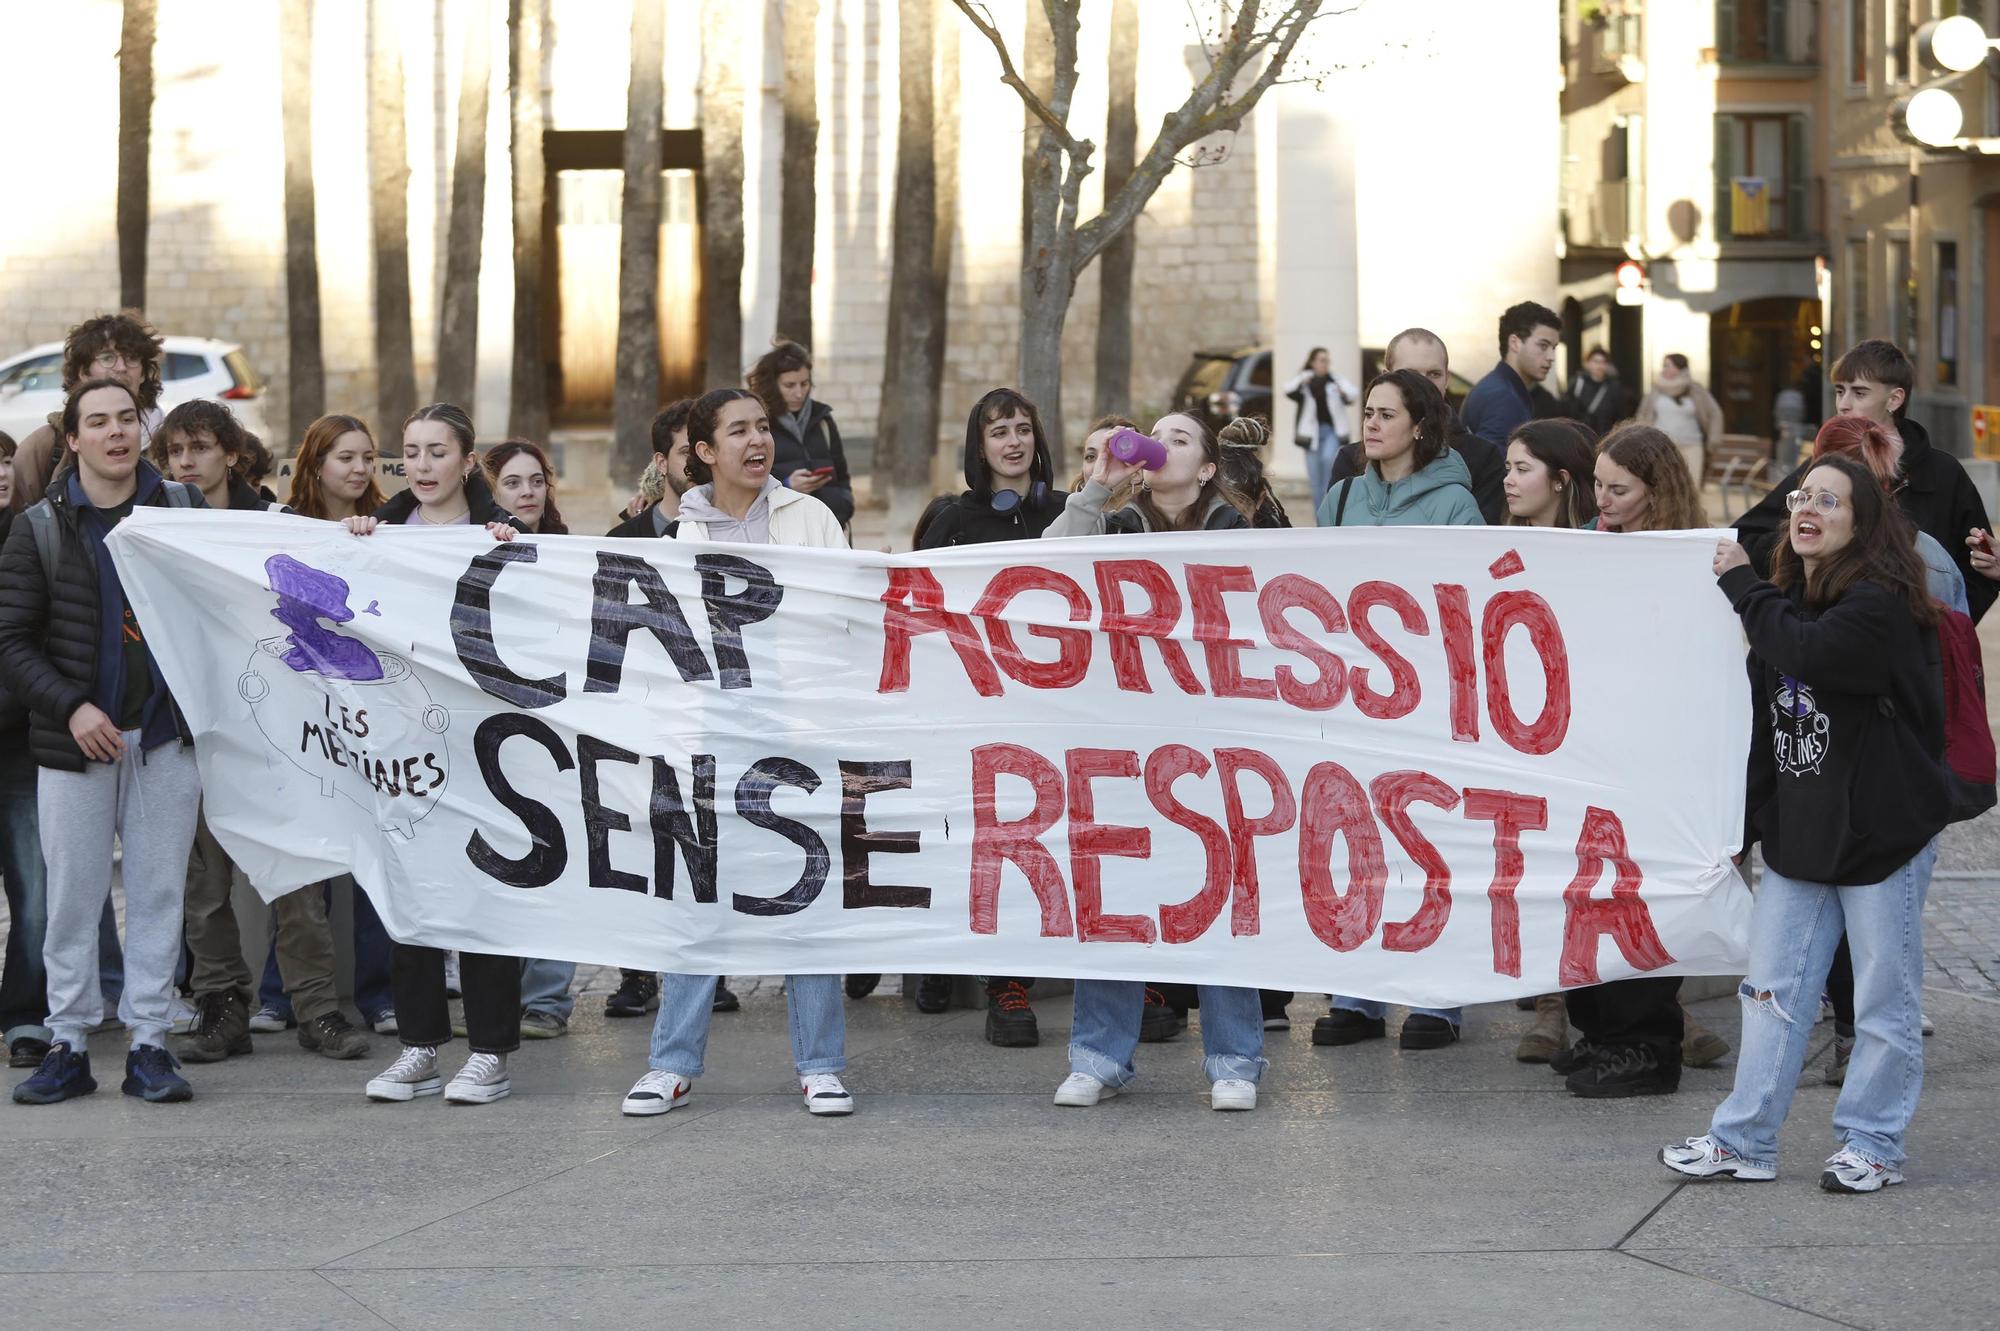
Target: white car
193 367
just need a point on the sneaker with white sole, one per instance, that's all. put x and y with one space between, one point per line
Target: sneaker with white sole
481 1081
1080 1090
1847 1172
384 1022
825 1095
269 1021
1704 1157
655 1093
1925 1024
1233 1093
414 1073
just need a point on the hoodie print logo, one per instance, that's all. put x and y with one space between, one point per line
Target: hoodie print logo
1799 730
356 720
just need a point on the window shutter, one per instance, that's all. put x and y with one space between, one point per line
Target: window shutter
1799 223
1725 168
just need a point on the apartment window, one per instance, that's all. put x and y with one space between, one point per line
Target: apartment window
1899 46
1767 32
1760 177
1946 305
1902 301
1857 43
1855 284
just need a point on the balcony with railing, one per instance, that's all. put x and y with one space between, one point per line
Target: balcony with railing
1753 209
1773 38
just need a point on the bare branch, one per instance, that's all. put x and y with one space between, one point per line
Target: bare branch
981 18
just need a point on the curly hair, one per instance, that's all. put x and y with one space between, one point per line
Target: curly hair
1241 443
124 332
703 419
1656 460
506 451
203 416
784 357
308 497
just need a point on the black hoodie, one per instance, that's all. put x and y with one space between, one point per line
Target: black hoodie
971 519
1847 779
819 448
1937 496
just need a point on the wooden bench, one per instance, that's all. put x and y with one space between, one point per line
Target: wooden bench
1741 462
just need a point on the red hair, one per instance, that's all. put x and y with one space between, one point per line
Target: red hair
1865 442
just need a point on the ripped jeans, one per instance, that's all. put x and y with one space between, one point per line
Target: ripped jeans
1793 933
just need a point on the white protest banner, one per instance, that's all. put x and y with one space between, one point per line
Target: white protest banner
1421 765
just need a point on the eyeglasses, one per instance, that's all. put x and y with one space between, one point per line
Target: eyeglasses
111 360
1826 501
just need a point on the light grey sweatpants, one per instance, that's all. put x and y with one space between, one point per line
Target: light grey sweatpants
148 802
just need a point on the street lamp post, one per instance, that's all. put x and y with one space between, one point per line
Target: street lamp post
1932 117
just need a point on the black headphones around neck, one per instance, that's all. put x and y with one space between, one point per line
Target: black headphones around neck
1005 502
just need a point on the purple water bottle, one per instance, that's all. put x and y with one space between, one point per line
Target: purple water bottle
1129 445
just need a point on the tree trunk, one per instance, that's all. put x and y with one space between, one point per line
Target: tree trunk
458 316
389 208
722 192
135 147
305 369
528 399
1121 148
907 421
637 397
946 156
1049 66
1038 58
799 95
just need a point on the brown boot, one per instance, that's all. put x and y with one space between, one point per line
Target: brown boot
221 1029
1550 1033
1700 1046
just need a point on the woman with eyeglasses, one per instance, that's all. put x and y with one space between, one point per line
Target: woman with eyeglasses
1847 792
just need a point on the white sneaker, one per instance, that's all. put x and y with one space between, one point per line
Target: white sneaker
1704 1157
451 981
1848 1172
481 1081
1924 1023
1080 1090
825 1095
414 1073
655 1093
1233 1093
266 1021
386 1023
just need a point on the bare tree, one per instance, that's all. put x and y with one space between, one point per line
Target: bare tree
799 96
1257 35
722 190
913 365
458 315
528 399
135 147
1114 276
637 396
304 366
389 209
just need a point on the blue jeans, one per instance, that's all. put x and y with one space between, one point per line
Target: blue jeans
1319 463
1794 929
818 1018
1368 1007
545 986
1104 1032
24 983
371 961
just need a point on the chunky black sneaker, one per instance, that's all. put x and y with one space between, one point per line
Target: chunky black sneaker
725 1001
1622 1073
27 1051
1346 1026
637 994
152 1074
63 1075
333 1036
933 993
860 986
1010 1021
1579 1055
221 1029
1422 1031
1158 1022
